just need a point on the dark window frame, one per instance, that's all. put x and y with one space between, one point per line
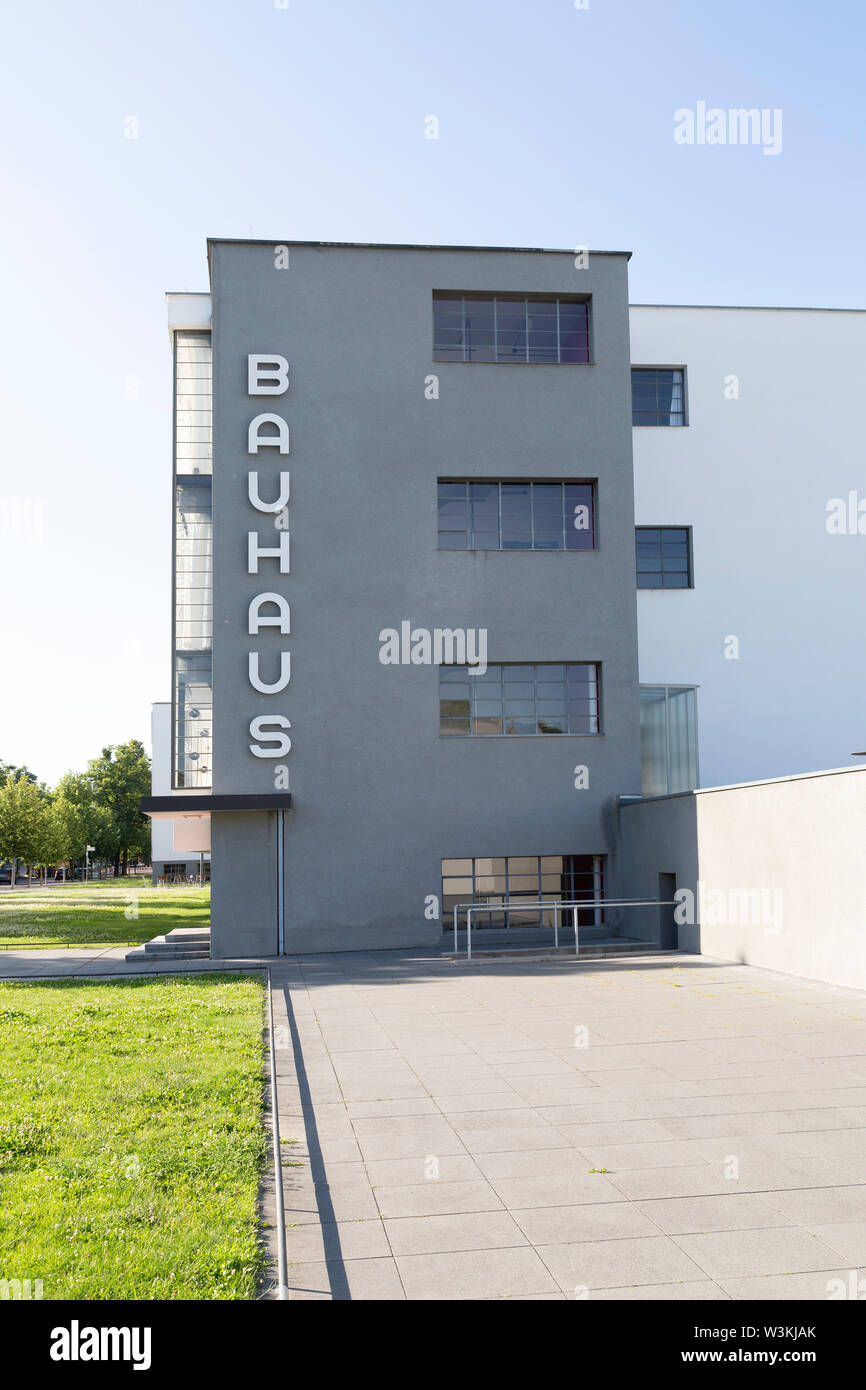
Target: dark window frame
495 297
572 882
470 533
537 716
690 571
661 367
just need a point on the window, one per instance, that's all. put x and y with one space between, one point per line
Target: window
669 741
509 328
658 396
193 719
193 563
192 560
664 557
543 698
193 442
545 878
516 515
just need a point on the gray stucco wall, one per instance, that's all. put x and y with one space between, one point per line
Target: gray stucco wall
243 883
658 836
379 798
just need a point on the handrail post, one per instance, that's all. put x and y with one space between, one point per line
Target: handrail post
469 933
574 912
556 926
455 927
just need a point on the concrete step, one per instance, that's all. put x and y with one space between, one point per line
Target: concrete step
182 943
168 953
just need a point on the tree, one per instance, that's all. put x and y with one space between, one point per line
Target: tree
81 820
9 772
22 811
49 837
120 777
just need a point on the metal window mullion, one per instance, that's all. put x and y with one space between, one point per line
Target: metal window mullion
532 516
495 330
463 334
597 888
668 736
561 485
558 335
526 326
596 696
499 513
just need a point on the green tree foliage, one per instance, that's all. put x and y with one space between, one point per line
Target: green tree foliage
9 772
120 777
83 821
99 807
23 812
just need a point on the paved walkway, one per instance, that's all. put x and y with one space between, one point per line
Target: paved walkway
653 1129
86 961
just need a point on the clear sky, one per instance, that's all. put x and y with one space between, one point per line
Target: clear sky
556 128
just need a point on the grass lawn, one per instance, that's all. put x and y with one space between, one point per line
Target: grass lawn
113 913
131 1137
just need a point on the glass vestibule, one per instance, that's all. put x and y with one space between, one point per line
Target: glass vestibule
669 739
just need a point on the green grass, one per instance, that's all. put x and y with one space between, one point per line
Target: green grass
131 1137
113 913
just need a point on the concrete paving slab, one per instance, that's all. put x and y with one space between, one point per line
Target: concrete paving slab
451 1098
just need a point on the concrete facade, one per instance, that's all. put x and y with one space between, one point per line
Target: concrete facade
379 798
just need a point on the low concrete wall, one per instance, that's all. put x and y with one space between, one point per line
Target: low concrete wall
776 870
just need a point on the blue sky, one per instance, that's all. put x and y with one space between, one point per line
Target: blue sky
307 122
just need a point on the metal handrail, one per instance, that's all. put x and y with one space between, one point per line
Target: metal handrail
522 905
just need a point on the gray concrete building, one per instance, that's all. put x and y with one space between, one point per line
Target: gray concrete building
405 645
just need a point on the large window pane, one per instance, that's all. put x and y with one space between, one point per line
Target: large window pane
516 515
493 328
683 738
663 557
520 700
658 395
193 560
518 885
669 753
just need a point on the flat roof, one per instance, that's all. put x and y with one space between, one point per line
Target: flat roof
406 246
758 308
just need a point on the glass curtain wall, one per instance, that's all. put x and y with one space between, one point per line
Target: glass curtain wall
669 739
193 560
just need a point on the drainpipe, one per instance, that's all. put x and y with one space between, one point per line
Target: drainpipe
281 883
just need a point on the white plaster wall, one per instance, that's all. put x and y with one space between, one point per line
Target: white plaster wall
801 841
752 477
